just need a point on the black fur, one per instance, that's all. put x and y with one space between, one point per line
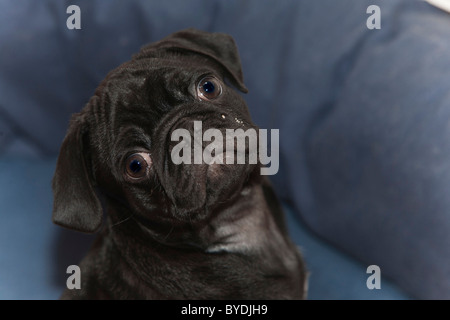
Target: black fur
182 232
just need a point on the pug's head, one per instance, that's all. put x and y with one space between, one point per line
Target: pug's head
119 150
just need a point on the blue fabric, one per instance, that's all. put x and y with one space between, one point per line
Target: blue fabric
34 254
363 114
334 274
48 72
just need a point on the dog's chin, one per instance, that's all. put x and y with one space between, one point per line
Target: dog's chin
196 191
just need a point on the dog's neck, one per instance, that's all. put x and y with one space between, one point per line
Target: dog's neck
248 225
244 225
245 230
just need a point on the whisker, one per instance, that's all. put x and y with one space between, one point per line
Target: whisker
122 221
168 234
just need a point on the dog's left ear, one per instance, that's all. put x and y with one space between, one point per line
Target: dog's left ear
218 46
75 204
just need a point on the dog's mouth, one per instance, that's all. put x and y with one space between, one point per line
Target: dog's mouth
203 162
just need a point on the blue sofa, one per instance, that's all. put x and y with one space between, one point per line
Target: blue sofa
363 116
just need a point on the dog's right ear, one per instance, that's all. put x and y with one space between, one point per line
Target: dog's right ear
75 204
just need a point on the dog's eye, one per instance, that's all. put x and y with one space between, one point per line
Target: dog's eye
209 88
137 165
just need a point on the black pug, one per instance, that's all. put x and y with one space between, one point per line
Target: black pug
172 231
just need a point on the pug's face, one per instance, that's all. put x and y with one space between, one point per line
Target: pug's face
121 146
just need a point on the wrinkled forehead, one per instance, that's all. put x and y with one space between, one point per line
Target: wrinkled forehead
139 82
